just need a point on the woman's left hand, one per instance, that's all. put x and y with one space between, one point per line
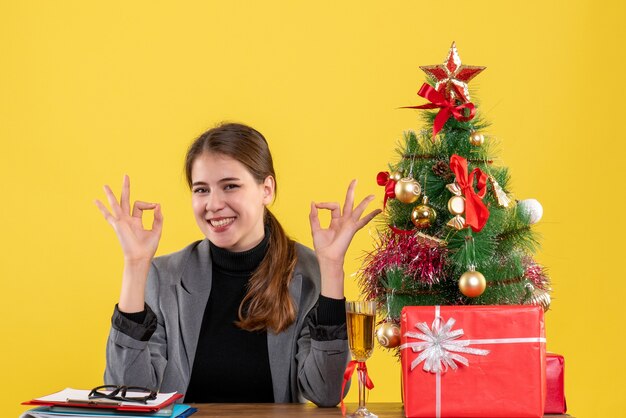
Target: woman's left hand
331 244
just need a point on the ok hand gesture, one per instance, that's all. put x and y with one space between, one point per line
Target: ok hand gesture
331 244
138 244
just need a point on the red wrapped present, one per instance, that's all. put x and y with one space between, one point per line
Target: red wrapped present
555 392
473 361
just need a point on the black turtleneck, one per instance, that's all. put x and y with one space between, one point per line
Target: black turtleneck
215 376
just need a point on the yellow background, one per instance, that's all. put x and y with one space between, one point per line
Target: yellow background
92 90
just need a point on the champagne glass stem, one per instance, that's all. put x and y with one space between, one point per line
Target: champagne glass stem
361 375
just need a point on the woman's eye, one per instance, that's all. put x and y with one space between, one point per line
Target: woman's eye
200 190
231 186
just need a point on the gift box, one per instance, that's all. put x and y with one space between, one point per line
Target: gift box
473 361
555 379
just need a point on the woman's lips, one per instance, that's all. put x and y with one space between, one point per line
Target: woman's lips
221 223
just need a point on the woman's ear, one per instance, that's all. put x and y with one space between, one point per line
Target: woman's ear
269 188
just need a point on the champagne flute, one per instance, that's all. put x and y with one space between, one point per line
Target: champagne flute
361 317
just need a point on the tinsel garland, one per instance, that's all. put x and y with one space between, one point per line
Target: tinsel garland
424 263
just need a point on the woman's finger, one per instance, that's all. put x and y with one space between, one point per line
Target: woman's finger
367 218
105 212
314 219
125 196
115 206
335 209
358 211
140 206
349 202
157 222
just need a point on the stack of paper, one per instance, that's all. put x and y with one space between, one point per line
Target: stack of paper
75 403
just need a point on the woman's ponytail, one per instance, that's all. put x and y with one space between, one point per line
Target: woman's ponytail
267 303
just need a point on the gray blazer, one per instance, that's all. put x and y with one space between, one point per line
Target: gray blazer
177 291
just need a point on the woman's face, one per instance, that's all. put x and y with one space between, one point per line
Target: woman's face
228 203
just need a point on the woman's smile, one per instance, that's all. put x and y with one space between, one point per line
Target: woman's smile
221 224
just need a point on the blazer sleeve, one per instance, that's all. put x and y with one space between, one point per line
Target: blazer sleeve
136 352
322 356
322 351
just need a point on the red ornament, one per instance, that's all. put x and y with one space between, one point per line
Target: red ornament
452 77
384 179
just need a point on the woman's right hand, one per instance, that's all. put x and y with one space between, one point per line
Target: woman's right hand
138 244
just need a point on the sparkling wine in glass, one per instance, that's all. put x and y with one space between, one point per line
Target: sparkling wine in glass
361 317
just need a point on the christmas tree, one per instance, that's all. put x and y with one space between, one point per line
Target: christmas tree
452 233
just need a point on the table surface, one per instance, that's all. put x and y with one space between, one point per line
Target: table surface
383 410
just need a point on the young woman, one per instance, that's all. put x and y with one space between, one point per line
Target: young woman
246 315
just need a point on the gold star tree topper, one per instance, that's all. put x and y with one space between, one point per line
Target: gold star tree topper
452 77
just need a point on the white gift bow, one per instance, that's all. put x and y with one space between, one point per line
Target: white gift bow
440 346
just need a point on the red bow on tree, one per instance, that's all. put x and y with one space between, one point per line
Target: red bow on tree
476 213
362 374
384 179
447 108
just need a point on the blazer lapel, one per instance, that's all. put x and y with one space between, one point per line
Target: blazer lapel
193 294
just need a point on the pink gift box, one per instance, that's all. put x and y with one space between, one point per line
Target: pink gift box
555 380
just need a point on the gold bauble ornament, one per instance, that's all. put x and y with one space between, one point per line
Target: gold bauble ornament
472 283
423 215
388 334
395 176
477 138
407 190
456 205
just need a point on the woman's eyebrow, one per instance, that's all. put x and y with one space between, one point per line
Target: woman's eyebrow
224 180
227 179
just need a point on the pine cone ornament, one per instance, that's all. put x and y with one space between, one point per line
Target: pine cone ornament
442 169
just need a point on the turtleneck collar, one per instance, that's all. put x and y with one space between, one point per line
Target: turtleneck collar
241 262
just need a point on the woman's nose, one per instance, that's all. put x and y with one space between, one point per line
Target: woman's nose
214 202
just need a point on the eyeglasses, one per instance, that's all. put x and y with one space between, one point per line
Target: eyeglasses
119 393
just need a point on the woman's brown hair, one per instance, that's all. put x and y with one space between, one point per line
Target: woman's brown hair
267 304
